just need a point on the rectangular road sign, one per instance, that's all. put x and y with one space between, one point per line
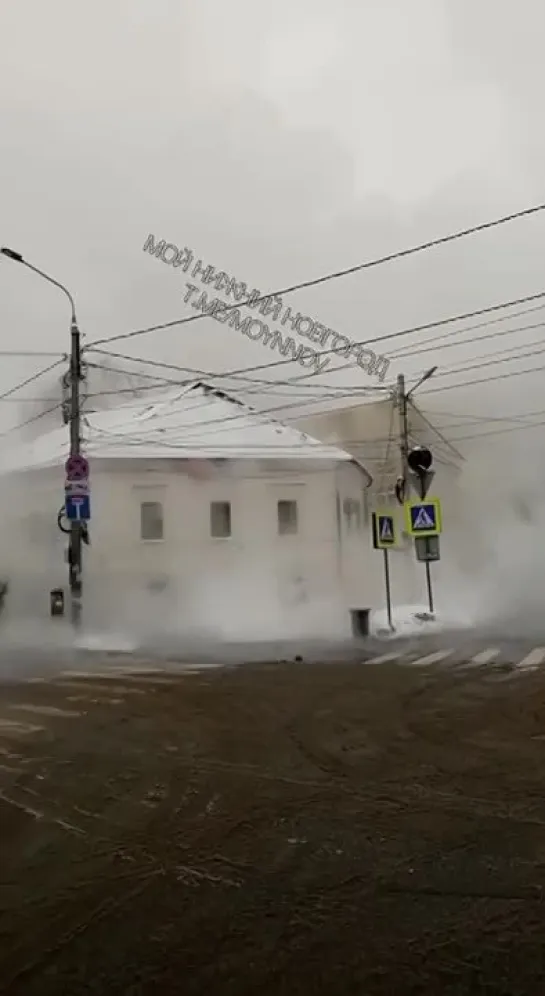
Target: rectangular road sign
427 549
78 508
76 487
384 530
423 518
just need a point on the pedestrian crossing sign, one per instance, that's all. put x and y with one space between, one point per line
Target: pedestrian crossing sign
384 531
423 518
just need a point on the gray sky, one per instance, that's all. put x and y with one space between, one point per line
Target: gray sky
279 142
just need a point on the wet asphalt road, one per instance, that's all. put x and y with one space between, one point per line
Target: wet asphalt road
455 647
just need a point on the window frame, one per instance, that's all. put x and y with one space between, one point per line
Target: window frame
293 503
351 505
221 503
152 539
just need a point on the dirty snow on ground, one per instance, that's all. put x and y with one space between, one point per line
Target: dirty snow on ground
415 620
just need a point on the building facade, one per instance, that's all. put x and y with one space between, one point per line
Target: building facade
257 533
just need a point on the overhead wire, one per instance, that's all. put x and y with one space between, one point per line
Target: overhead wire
30 380
485 380
481 418
223 421
384 472
30 353
29 421
337 274
469 328
437 432
502 431
332 276
392 335
465 368
474 339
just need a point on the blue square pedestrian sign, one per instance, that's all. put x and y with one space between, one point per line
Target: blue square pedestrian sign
384 530
423 518
77 508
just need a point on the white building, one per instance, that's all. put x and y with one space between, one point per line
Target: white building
206 517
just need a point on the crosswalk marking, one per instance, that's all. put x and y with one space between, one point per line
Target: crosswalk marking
484 657
439 655
384 658
532 660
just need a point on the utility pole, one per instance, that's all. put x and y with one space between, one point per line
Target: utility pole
418 461
402 399
78 525
75 547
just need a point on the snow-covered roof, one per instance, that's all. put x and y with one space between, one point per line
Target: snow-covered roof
192 422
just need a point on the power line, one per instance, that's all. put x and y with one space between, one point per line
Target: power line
335 275
385 464
29 421
490 363
499 432
482 418
30 380
407 351
467 342
341 395
433 428
30 353
485 380
391 335
199 374
404 351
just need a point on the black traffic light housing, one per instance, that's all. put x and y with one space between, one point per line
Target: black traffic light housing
420 459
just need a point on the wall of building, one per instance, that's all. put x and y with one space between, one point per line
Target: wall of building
256 583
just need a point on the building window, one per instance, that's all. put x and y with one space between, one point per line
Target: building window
151 520
287 517
220 519
352 515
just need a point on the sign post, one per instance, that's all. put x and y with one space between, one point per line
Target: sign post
423 518
77 510
384 538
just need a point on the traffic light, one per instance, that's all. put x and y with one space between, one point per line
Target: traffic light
420 459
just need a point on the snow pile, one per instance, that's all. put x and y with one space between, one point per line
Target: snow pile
105 643
415 620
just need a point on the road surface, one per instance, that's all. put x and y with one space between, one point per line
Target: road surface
365 827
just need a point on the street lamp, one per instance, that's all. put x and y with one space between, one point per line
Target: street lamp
429 373
76 532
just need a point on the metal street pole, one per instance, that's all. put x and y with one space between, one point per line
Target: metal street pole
75 551
402 398
75 548
388 589
430 589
